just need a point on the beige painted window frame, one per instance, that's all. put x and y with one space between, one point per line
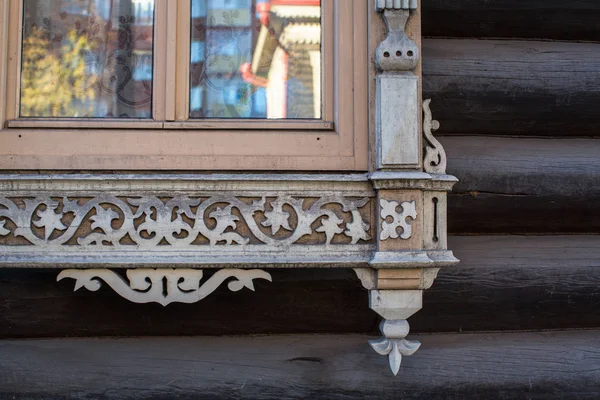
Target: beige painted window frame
339 141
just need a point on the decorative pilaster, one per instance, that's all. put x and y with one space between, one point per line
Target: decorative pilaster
411 192
397 103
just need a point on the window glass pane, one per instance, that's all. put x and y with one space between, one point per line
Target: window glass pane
255 59
87 58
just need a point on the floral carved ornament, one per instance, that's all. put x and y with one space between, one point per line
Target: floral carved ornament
182 221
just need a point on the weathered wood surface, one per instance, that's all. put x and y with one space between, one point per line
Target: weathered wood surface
550 365
504 87
33 304
523 185
516 283
543 19
524 282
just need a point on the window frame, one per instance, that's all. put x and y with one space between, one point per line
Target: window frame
339 141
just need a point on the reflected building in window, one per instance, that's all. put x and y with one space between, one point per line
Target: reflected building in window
99 54
256 59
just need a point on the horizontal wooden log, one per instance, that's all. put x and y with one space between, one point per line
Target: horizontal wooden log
543 19
501 87
515 283
550 365
524 282
523 185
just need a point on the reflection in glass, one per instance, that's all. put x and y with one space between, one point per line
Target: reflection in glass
87 58
255 59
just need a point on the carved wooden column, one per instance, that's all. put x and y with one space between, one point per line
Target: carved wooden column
411 192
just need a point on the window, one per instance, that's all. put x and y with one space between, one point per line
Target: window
186 84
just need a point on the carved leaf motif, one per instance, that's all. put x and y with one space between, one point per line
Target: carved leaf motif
225 219
408 347
184 204
3 230
165 221
357 229
103 219
330 225
49 220
395 358
277 218
382 346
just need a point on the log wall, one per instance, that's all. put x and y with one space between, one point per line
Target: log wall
559 365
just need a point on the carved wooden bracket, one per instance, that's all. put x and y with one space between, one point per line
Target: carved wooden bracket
163 286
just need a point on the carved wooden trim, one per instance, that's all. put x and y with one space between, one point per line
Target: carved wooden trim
396 5
389 210
435 157
180 222
163 286
388 224
411 186
393 344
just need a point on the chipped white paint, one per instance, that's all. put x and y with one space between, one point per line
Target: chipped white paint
435 157
393 344
413 259
367 276
397 123
388 209
163 286
396 304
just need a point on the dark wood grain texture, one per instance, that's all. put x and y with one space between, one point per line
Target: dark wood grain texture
558 365
523 185
548 282
504 87
33 304
515 283
543 19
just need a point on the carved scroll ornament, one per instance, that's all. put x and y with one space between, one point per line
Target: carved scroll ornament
147 222
435 157
165 285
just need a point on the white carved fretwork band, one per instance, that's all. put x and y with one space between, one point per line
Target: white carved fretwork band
163 285
388 210
180 222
